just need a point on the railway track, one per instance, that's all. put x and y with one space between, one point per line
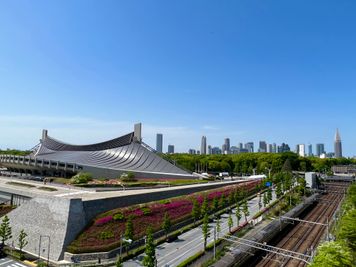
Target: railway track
304 237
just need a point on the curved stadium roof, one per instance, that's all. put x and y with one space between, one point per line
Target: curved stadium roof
121 154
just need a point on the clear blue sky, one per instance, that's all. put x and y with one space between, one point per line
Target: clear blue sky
280 71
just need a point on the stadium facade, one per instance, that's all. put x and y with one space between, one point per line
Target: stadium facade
107 159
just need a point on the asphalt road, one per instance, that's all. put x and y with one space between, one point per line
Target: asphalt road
7 262
191 242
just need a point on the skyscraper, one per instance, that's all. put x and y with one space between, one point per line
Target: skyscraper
192 151
227 145
337 145
320 149
310 150
300 150
209 150
274 148
159 143
203 145
170 149
249 147
215 150
262 147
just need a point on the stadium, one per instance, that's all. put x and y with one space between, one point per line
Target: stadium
107 159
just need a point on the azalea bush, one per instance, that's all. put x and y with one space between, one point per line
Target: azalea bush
96 237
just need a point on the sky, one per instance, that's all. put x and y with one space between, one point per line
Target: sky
278 71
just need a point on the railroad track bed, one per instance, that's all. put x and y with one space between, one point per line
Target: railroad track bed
305 237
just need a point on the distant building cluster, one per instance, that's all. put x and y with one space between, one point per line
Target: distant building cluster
263 147
248 147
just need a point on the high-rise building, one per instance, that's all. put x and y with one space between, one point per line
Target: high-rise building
300 150
249 147
274 148
241 146
227 146
192 151
310 150
283 148
203 145
209 150
262 147
319 149
170 149
159 143
234 150
270 148
215 150
337 145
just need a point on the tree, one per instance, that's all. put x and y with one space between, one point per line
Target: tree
128 177
204 207
333 254
278 190
245 210
205 229
287 166
22 242
238 214
81 178
230 222
222 201
129 230
347 229
269 194
265 200
5 230
150 259
166 224
215 204
195 210
231 198
218 227
118 262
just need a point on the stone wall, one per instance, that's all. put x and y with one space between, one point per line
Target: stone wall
54 221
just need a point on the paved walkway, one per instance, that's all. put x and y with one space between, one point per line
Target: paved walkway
7 262
67 191
191 242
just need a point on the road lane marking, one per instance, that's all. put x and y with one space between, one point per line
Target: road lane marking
5 262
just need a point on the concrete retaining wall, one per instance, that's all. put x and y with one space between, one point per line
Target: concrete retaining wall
54 221
60 220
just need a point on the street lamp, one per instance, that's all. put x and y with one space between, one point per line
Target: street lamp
125 240
269 172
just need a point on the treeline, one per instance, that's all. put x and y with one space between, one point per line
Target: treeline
261 162
15 152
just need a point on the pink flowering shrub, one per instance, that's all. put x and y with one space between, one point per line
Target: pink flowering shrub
151 214
103 220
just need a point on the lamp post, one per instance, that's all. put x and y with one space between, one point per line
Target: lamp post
269 172
125 240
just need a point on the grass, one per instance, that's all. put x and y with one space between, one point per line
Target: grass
45 188
21 184
59 180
